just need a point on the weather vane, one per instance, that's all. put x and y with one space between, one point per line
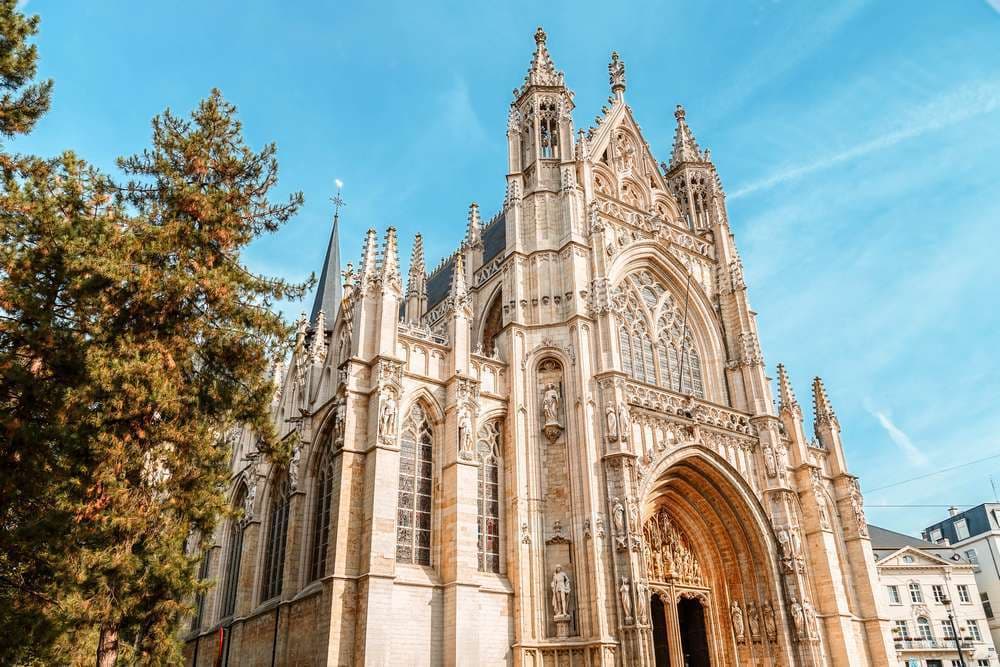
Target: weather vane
336 199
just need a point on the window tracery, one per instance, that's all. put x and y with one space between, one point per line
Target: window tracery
669 358
232 574
489 448
277 531
413 514
324 490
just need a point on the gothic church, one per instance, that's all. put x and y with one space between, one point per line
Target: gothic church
559 447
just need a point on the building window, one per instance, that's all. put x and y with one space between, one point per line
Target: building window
489 446
983 662
938 591
894 595
277 531
961 529
924 630
915 593
322 510
936 535
199 606
231 579
972 556
901 630
987 607
908 559
947 629
963 594
974 633
413 514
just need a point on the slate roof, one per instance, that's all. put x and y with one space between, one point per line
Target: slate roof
886 542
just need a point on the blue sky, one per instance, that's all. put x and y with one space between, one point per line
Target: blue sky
859 143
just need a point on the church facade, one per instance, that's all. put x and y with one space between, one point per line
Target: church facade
559 447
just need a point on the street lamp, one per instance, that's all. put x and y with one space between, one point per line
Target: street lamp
954 631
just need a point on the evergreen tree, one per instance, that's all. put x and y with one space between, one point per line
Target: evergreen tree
131 340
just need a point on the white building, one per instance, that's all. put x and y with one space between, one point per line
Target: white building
931 594
975 534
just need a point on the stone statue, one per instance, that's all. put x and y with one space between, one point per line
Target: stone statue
387 422
770 623
612 419
618 512
798 618
810 617
641 601
769 463
550 405
787 555
624 595
339 424
293 467
465 434
250 500
633 514
753 620
624 422
560 593
738 628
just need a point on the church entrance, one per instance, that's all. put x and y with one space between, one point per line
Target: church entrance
661 651
694 639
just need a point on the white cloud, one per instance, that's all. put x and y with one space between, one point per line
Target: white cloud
901 439
995 4
955 107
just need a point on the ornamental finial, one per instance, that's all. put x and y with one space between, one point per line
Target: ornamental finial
616 75
539 36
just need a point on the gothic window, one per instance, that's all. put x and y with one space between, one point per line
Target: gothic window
277 532
413 515
548 129
492 326
489 448
199 606
323 493
670 359
231 578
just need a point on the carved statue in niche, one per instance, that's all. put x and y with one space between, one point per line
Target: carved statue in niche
812 626
858 507
293 466
642 600
560 586
618 513
251 497
387 418
550 405
340 419
612 422
770 623
798 618
770 465
738 628
824 517
624 422
753 620
671 556
787 554
625 596
466 449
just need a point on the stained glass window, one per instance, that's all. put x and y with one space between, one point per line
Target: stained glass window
413 514
490 446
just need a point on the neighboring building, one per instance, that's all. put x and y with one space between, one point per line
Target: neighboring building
931 593
560 447
975 533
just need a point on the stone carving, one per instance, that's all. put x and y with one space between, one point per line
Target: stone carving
670 556
753 621
616 72
624 421
465 446
618 517
625 597
798 619
642 600
817 484
599 526
250 499
339 422
739 630
770 623
525 536
552 427
387 417
858 508
611 418
770 463
812 625
560 586
293 466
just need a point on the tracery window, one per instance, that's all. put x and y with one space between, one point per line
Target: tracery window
548 128
230 581
324 489
277 532
413 514
489 448
670 359
199 607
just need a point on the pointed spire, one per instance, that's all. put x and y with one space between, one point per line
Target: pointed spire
390 259
459 291
786 396
329 292
822 410
369 259
542 71
417 279
317 349
473 233
685 147
616 76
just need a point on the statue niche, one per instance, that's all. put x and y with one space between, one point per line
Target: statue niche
669 557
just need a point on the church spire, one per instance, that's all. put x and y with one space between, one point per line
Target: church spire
685 147
542 71
459 291
416 285
389 270
473 232
786 396
329 290
822 410
369 258
616 76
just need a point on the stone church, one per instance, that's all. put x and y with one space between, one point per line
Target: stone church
558 447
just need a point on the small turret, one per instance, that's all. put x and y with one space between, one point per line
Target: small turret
685 146
786 396
474 230
827 428
369 259
389 269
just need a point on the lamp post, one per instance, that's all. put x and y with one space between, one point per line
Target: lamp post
954 631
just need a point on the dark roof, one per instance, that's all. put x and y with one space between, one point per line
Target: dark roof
439 283
328 290
886 542
978 520
494 238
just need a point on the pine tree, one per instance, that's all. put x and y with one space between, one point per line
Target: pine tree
131 340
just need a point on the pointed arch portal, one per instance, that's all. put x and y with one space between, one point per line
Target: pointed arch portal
706 547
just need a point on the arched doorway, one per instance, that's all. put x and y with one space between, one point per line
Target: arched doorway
707 548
